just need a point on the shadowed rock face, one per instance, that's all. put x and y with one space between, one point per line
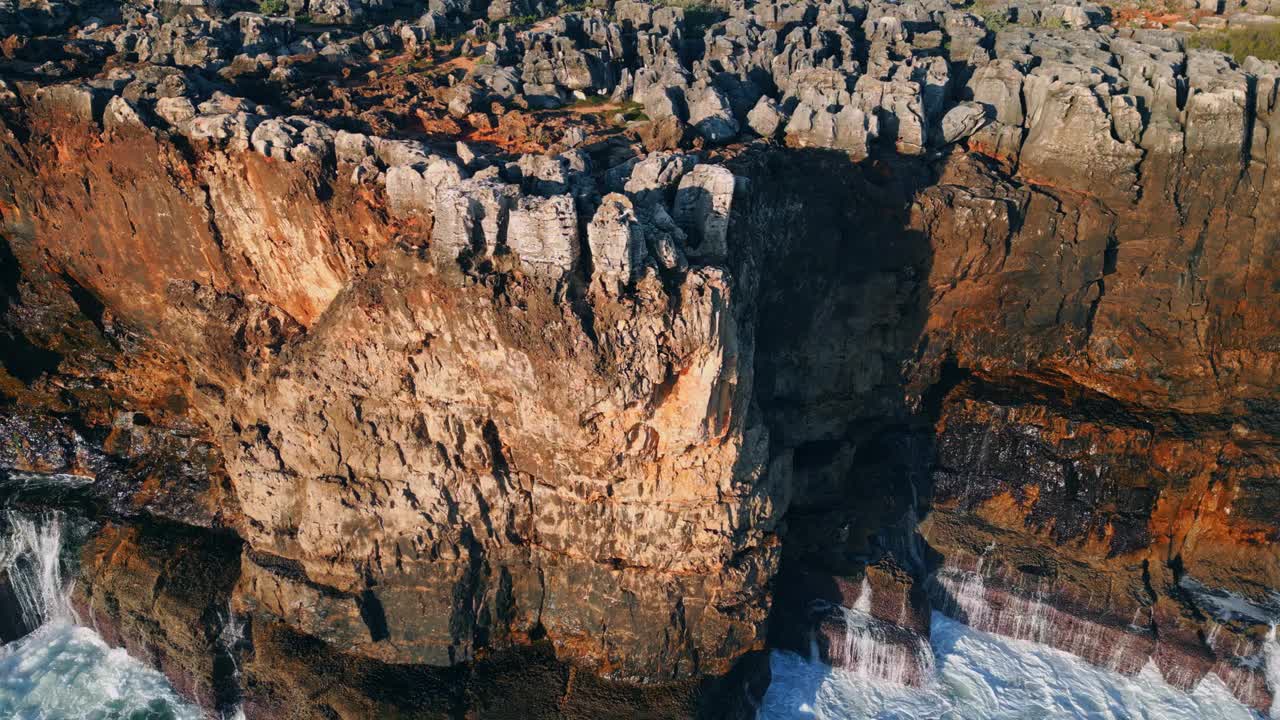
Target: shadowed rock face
434 388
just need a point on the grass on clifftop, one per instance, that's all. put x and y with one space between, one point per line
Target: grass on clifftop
1260 42
995 16
272 7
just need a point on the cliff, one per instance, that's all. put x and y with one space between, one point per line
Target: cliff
431 376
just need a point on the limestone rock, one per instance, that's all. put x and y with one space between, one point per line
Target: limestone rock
962 121
702 206
617 241
765 118
414 189
544 233
711 115
470 217
652 178
120 114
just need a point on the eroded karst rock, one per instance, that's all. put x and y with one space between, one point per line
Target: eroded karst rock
523 347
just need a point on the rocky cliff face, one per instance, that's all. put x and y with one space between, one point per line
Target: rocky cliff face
394 369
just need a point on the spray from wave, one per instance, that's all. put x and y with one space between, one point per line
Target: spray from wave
61 669
30 555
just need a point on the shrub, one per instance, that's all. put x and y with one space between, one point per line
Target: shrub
591 101
995 17
272 7
520 22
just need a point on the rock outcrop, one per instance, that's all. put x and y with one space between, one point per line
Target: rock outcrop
610 349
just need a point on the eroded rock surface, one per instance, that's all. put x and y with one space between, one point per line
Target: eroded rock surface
622 344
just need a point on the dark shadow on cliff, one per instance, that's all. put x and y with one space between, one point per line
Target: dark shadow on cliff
841 309
291 675
19 357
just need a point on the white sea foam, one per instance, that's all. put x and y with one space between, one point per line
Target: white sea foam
987 677
29 554
1271 654
67 671
63 671
863 603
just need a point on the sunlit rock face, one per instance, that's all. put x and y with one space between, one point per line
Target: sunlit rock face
419 433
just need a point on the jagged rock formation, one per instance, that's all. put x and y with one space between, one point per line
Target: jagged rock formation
862 303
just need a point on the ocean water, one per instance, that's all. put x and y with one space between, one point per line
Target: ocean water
64 671
980 676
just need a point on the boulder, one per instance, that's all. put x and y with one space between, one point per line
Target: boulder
962 121
711 115
765 118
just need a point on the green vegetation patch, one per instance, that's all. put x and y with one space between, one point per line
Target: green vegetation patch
591 101
632 111
524 22
1260 42
996 17
272 7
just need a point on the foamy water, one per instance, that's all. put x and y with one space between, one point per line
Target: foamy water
64 671
987 677
67 671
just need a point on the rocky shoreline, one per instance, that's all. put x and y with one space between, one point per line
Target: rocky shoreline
561 361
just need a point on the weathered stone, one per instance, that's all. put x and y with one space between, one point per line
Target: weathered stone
703 203
665 239
470 217
543 174
544 233
79 101
175 111
414 189
352 147
765 118
1070 140
652 178
962 121
120 114
848 129
1053 341
711 115
616 240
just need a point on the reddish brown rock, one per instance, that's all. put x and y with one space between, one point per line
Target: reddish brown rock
1049 382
